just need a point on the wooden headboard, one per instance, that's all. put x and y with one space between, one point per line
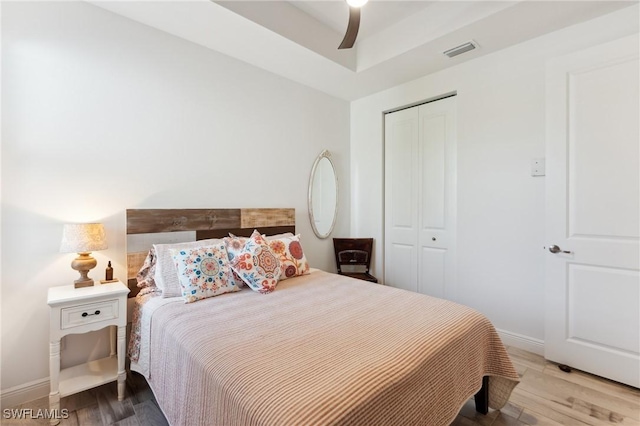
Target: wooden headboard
205 223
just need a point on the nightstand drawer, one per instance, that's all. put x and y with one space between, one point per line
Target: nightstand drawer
89 313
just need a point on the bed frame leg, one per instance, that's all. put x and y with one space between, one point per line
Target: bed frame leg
482 397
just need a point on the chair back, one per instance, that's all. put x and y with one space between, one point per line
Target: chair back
353 252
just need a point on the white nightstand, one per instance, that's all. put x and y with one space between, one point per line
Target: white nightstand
80 310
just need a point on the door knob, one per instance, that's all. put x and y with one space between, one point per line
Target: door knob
555 249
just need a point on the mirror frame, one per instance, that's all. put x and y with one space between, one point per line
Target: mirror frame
324 154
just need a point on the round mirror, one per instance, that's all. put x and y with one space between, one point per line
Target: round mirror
323 195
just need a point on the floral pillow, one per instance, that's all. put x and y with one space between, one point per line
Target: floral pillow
292 259
165 276
203 272
257 265
145 276
234 246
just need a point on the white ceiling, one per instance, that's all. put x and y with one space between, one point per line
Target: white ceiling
375 15
398 40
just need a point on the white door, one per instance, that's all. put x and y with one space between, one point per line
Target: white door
593 185
401 201
420 198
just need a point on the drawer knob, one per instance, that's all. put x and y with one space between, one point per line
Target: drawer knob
85 314
97 313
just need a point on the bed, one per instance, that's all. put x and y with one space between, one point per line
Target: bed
321 349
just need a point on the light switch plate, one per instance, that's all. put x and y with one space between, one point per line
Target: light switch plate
537 167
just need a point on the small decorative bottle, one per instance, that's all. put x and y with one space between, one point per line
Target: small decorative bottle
109 272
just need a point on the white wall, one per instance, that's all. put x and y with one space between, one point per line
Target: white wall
500 129
102 114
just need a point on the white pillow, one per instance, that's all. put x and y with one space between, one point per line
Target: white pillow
166 276
278 236
268 237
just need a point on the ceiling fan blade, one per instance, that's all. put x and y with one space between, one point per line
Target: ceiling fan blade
352 29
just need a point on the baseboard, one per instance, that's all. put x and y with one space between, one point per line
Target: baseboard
519 341
20 394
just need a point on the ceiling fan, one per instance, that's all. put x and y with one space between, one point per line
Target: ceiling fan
354 23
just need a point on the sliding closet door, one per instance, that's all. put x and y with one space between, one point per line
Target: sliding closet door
401 202
436 194
420 198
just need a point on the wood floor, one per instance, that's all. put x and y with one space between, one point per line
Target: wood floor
545 396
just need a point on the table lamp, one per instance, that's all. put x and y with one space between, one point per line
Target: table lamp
83 238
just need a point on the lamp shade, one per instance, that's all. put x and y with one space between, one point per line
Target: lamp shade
83 238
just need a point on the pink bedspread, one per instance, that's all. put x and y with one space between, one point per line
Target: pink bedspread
322 349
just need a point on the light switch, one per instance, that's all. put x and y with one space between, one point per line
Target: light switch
537 167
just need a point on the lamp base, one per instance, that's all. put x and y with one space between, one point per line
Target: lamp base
83 283
83 264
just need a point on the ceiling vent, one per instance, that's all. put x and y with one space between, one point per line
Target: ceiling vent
459 50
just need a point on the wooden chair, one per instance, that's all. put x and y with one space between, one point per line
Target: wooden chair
356 254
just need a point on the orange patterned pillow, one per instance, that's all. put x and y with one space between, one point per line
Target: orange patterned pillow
257 265
292 259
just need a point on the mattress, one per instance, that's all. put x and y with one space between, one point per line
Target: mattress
322 349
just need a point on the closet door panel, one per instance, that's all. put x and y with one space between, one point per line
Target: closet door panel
403 182
436 236
401 203
432 272
433 130
401 273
